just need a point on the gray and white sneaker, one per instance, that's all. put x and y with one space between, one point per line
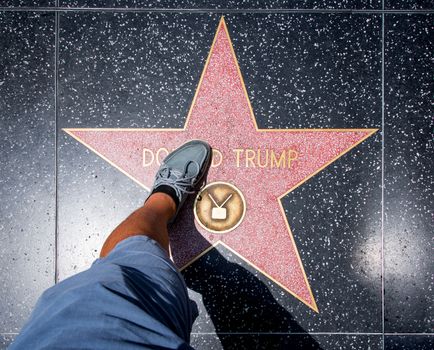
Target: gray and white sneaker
184 170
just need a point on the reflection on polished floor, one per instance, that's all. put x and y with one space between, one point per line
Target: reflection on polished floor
316 228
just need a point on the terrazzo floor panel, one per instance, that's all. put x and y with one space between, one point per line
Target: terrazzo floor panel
319 116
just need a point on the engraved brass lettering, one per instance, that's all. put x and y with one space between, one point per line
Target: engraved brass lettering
292 155
238 151
148 157
217 158
244 157
265 163
278 163
250 158
158 157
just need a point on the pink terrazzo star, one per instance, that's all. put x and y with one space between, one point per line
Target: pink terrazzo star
221 114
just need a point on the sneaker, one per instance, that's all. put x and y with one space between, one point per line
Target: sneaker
184 170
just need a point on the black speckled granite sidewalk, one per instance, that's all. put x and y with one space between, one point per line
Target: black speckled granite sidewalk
362 225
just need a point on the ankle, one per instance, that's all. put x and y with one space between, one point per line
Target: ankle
161 206
170 191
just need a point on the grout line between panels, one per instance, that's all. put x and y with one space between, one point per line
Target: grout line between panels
284 333
211 10
382 179
410 334
313 333
295 333
56 216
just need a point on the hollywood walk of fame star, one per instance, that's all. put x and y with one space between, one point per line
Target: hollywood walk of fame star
264 164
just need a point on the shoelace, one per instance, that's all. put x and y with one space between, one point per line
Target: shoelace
177 179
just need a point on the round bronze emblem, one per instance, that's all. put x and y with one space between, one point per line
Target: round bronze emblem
219 207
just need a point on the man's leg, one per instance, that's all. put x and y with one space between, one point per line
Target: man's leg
150 220
180 174
135 295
